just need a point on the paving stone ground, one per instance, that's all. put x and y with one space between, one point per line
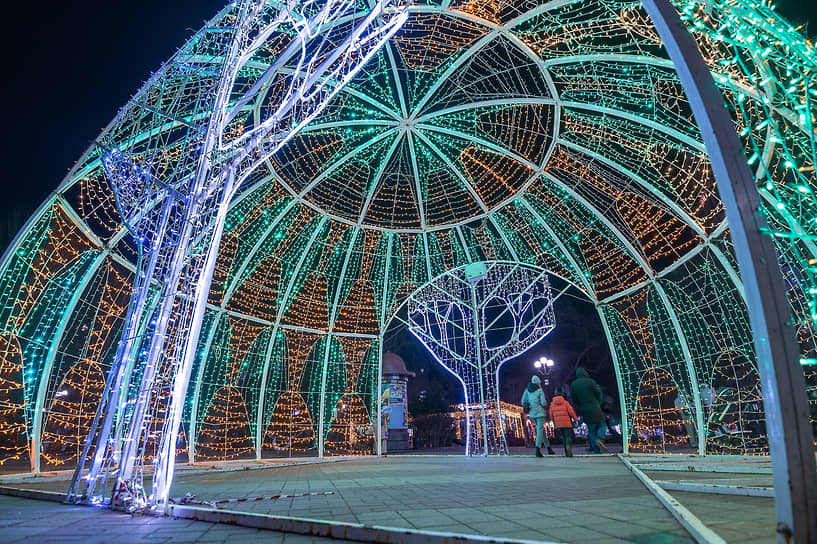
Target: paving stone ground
41 522
748 520
578 501
745 520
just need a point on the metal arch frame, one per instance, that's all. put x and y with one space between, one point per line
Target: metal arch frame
192 438
687 354
540 170
486 104
625 423
487 38
639 181
394 73
380 338
638 258
590 291
454 227
282 309
329 336
666 63
681 214
48 367
706 246
643 121
544 63
790 444
262 394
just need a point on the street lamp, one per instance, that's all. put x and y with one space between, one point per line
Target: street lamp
544 366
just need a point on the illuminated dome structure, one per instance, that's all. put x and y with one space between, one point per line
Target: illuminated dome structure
554 134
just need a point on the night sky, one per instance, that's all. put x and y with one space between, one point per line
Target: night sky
69 66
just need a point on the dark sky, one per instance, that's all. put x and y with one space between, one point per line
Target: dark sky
69 67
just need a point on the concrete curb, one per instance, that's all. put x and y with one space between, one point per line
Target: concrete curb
36 494
719 489
185 468
335 529
706 467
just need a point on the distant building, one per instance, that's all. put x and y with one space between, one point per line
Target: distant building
518 428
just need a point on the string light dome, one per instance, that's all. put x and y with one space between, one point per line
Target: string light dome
554 134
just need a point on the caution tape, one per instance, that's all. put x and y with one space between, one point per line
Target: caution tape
191 499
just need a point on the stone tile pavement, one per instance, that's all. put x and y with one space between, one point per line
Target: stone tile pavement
747 520
578 501
42 522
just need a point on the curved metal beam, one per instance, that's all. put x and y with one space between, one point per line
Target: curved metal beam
671 132
785 402
228 294
456 171
690 365
194 411
679 212
625 424
333 313
259 417
364 209
535 101
53 350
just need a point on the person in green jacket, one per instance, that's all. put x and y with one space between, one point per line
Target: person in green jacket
586 394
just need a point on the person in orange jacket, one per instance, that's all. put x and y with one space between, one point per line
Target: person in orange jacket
563 417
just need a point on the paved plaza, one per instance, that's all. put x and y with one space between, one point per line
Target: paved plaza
43 522
586 499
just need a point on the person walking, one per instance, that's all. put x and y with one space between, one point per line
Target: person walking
534 404
564 417
587 395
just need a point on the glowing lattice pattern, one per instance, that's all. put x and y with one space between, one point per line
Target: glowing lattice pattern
555 135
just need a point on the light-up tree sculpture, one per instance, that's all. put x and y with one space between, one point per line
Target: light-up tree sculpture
472 320
174 197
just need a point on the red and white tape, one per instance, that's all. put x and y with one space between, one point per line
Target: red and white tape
190 499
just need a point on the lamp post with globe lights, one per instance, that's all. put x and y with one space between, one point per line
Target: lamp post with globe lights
544 366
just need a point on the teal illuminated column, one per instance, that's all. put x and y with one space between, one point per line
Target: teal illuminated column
778 355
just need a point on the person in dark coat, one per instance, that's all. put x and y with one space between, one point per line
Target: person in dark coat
534 404
586 394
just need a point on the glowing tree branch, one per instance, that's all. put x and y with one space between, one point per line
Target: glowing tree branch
174 197
472 320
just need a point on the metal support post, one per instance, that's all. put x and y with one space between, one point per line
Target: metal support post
480 370
784 396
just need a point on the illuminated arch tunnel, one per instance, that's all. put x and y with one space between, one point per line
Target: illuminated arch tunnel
556 134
